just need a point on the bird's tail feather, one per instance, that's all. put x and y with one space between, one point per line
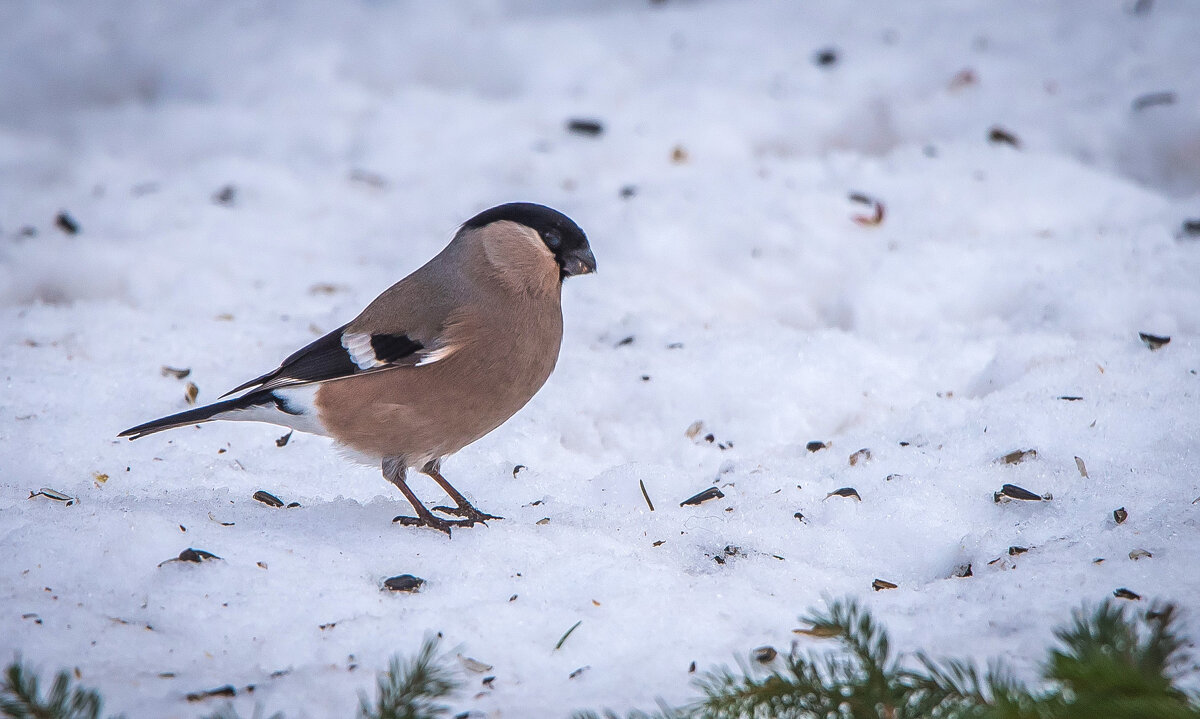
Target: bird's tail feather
201 414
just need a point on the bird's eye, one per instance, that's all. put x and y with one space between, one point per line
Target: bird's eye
553 239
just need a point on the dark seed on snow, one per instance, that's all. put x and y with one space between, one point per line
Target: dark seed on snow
626 341
1151 99
964 571
66 223
1070 398
518 468
799 516
293 505
196 555
1120 515
764 655
405 583
1014 492
861 456
1123 593
815 446
225 196
225 691
282 441
826 57
998 135
1191 228
176 373
578 671
692 668
628 191
268 498
844 492
881 584
1154 341
1014 551
710 493
580 126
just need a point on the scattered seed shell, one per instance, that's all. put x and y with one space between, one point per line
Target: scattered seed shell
1151 99
588 127
694 429
225 196
1137 554
861 456
998 135
845 492
821 631
826 57
710 493
881 584
226 691
877 210
474 665
268 499
1081 467
1012 491
176 373
191 392
1120 515
53 494
543 521
517 469
195 555
579 671
404 583
963 571
1153 341
764 655
1014 551
1123 593
1019 455
282 441
66 223
799 516
679 155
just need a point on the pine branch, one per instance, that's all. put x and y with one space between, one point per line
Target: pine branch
412 690
20 697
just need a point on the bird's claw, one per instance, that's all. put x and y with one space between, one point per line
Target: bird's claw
468 512
442 525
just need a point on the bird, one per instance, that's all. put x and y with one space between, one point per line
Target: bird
438 360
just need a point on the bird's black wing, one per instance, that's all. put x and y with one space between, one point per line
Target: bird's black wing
339 354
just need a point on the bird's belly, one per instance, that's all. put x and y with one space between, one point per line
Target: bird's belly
421 413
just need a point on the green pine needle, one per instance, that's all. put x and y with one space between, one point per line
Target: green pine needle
412 690
20 697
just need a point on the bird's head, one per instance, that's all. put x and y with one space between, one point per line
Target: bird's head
559 233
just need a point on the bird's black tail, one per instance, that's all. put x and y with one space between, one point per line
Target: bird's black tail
201 414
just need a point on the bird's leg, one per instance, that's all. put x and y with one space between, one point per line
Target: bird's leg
394 470
433 468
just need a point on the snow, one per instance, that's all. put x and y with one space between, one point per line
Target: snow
1001 279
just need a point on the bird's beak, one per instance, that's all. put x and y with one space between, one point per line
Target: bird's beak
579 262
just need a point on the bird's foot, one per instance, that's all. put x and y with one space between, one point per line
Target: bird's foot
468 512
442 525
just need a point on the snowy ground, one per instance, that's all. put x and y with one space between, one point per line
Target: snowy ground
734 289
